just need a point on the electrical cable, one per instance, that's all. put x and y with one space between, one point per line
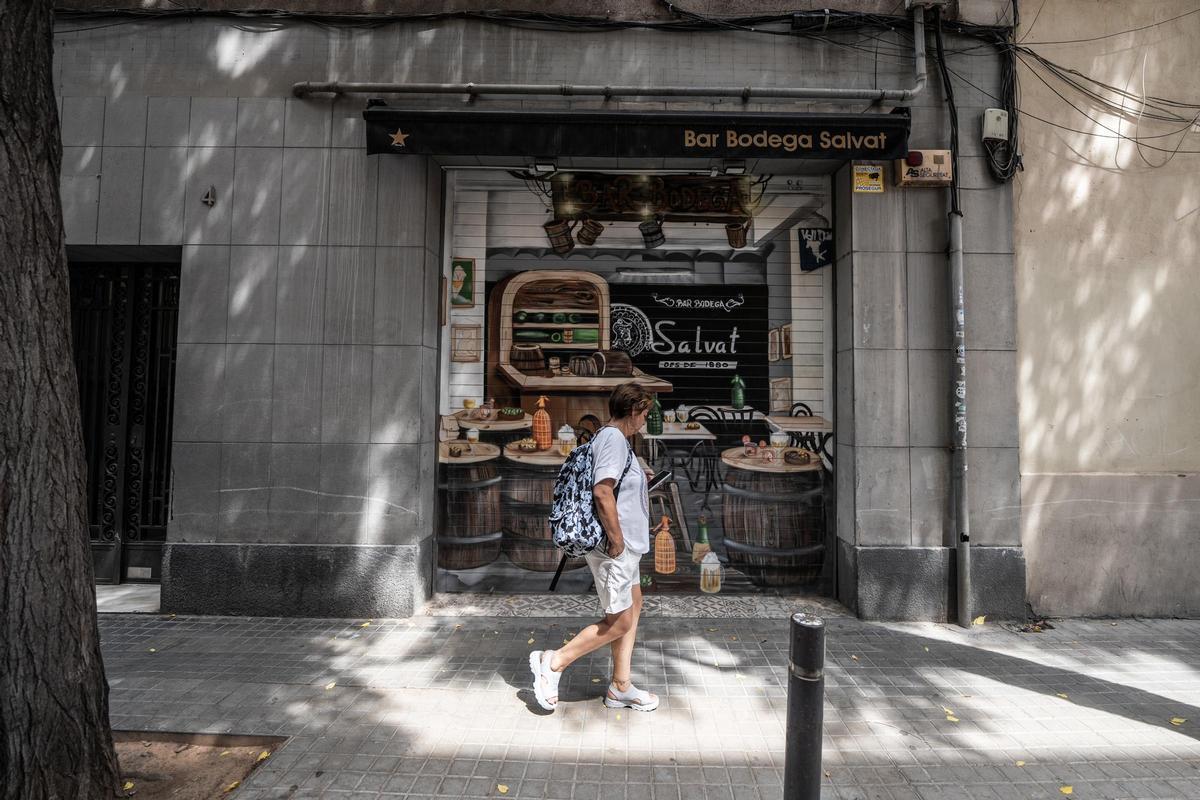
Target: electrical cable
952 107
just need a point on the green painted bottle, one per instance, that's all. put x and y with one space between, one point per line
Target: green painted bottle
737 397
654 420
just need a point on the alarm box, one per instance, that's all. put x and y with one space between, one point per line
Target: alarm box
924 168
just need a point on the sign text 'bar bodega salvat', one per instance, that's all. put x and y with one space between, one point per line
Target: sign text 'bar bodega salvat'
629 135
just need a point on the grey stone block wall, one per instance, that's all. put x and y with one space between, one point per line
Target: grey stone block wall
307 364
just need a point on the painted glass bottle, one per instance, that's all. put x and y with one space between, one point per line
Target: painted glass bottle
737 397
654 420
701 547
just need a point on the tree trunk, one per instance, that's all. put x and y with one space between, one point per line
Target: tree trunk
55 740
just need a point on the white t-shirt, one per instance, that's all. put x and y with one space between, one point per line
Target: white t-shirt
609 453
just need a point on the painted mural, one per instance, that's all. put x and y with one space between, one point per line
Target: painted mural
745 508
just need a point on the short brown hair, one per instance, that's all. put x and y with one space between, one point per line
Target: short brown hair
628 399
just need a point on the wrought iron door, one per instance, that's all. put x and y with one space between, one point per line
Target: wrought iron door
123 320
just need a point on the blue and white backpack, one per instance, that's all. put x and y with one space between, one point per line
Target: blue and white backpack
573 524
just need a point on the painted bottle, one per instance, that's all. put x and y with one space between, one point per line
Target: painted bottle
664 548
654 420
737 397
701 547
542 433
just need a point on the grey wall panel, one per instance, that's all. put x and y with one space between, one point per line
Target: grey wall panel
988 220
925 216
195 492
397 392
350 295
260 122
253 275
403 201
120 219
397 507
257 184
880 301
994 487
432 301
246 411
881 398
245 491
346 394
929 301
204 294
293 500
163 194
213 122
932 512
300 295
168 121
307 122
929 398
296 396
125 121
844 478
991 302
400 296
992 398
199 393
352 195
79 187
304 207
82 121
882 496
208 168
345 479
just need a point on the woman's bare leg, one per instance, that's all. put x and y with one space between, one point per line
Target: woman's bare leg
593 637
622 649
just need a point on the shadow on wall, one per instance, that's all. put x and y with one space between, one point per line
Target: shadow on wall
1107 293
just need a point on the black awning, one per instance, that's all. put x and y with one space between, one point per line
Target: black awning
542 134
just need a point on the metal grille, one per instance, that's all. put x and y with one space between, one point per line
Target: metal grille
124 321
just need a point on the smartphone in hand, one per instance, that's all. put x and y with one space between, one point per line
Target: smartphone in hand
659 479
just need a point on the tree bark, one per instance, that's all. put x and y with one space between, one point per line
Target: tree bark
55 740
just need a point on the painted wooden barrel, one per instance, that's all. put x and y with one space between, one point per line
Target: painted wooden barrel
470 530
529 359
559 233
775 525
526 497
612 363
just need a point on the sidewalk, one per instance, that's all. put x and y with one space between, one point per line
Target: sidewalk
439 706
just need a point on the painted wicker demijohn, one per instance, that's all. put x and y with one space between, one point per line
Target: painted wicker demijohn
664 548
543 434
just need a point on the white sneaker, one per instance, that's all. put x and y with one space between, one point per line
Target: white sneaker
635 698
545 680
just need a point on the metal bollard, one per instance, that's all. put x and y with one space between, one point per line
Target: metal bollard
805 709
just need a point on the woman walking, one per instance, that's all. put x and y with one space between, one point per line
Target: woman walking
622 507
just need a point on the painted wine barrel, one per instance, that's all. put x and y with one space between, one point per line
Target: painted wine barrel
612 363
775 526
529 359
582 366
470 532
526 498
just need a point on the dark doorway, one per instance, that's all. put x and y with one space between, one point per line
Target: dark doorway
123 323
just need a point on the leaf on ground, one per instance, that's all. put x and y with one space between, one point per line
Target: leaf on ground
1066 790
854 658
366 624
456 627
733 638
501 788
128 785
1020 763
951 718
232 786
1177 721
1064 695
595 680
712 630
926 649
147 744
948 711
979 620
153 650
226 752
330 685
263 756
530 640
618 716
827 774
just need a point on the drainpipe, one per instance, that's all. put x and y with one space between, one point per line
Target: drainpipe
958 433
746 93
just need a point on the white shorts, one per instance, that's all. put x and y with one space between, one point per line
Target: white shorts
615 577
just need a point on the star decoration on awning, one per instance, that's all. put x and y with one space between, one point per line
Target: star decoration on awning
398 138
